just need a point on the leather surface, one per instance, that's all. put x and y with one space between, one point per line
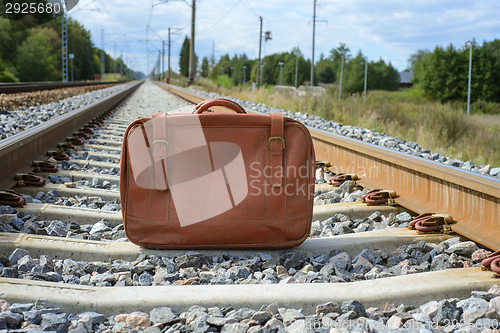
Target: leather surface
267 217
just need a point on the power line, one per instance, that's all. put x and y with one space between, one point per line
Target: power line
213 25
245 2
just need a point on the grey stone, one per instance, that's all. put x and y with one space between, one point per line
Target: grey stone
32 317
163 315
21 307
261 316
55 322
144 266
300 326
192 260
328 308
273 308
291 315
152 329
234 328
476 308
446 313
99 227
53 193
495 172
292 259
430 308
403 217
71 267
353 305
219 321
376 217
243 313
342 229
440 262
80 328
421 317
12 318
482 294
16 255
100 278
463 248
97 318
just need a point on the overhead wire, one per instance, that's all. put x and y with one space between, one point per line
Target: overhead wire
213 25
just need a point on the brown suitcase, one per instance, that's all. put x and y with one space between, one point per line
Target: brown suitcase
217 180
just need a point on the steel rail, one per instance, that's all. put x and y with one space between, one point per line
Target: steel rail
17 87
18 151
422 185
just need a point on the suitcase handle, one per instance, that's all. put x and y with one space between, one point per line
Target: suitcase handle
203 106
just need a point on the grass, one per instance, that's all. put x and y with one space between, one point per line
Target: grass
441 128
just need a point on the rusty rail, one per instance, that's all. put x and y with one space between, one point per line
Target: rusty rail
422 185
17 87
18 151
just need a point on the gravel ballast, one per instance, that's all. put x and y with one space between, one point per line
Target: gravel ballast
14 122
478 313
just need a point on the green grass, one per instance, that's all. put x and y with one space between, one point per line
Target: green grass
406 114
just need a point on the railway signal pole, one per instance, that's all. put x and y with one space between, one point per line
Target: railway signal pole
314 35
314 32
102 54
64 37
260 47
470 71
191 44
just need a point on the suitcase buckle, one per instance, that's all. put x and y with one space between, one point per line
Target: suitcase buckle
276 138
160 142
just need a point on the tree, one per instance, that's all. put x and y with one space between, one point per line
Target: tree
34 60
204 67
184 58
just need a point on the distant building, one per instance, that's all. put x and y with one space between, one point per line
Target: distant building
405 79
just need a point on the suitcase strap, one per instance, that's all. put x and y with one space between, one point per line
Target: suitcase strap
159 148
276 149
276 200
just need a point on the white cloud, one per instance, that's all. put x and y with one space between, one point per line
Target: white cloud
393 28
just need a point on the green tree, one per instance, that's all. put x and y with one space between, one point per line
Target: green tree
204 67
35 62
184 58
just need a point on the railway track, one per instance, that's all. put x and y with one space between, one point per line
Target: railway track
17 87
71 249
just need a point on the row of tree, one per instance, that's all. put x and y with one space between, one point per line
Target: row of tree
443 73
35 54
327 69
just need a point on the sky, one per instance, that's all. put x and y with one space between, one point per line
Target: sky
388 29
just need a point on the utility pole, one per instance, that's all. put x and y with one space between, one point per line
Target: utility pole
260 47
231 75
296 67
71 57
121 64
114 60
170 32
366 74
281 72
312 59
341 74
102 54
64 37
191 45
470 72
162 60
168 76
213 55
244 74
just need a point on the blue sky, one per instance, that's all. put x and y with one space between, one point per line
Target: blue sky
389 29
